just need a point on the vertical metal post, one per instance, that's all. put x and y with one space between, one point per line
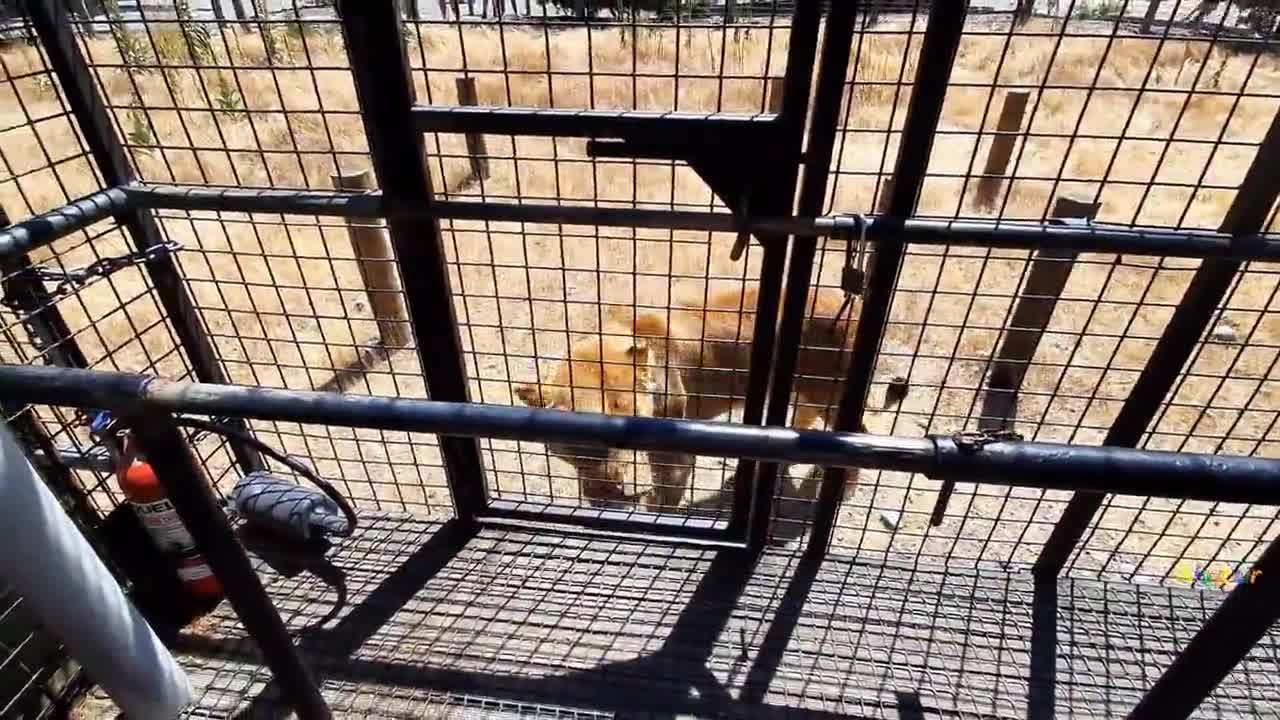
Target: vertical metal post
384 88
49 17
1246 216
775 196
187 488
1221 643
824 118
933 74
38 311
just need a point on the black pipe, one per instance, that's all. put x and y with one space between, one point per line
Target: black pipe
384 88
21 238
971 233
937 55
1247 215
53 26
187 488
666 127
1224 478
772 191
256 200
824 117
1227 637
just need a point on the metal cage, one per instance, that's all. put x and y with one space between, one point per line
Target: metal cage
222 205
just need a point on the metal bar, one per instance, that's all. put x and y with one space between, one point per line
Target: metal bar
21 238
664 525
1226 638
669 127
187 488
38 310
774 193
49 18
937 55
256 200
968 233
384 88
837 43
95 459
1208 287
1224 478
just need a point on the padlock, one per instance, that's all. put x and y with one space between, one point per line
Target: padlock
853 280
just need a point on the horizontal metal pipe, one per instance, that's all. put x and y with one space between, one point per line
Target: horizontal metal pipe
977 233
1029 464
95 459
255 200
670 127
21 238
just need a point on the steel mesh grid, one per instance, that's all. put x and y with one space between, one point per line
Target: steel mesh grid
1156 125
266 102
112 323
1225 400
1116 117
530 623
521 61
285 306
574 280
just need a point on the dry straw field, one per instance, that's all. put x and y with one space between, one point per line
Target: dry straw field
282 296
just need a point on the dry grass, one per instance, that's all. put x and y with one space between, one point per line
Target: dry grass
284 299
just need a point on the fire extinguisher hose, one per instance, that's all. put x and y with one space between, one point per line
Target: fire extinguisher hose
289 462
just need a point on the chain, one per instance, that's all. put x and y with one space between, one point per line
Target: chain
69 281
974 440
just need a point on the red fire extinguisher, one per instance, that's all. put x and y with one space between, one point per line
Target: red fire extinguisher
156 513
142 488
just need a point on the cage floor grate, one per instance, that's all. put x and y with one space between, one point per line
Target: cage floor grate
506 622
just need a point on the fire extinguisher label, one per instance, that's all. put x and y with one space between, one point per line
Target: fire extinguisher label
193 570
164 526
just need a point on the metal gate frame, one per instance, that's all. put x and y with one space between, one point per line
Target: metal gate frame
778 199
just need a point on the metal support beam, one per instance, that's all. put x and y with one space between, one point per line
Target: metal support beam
21 238
1204 295
937 55
380 69
53 26
1234 629
666 128
187 488
1223 478
771 191
967 233
256 200
824 118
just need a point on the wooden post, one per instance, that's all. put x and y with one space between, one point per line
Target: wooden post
1149 17
1049 272
477 149
1022 12
1007 130
775 89
377 265
886 191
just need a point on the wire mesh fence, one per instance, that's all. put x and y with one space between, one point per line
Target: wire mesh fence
1127 114
1149 116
